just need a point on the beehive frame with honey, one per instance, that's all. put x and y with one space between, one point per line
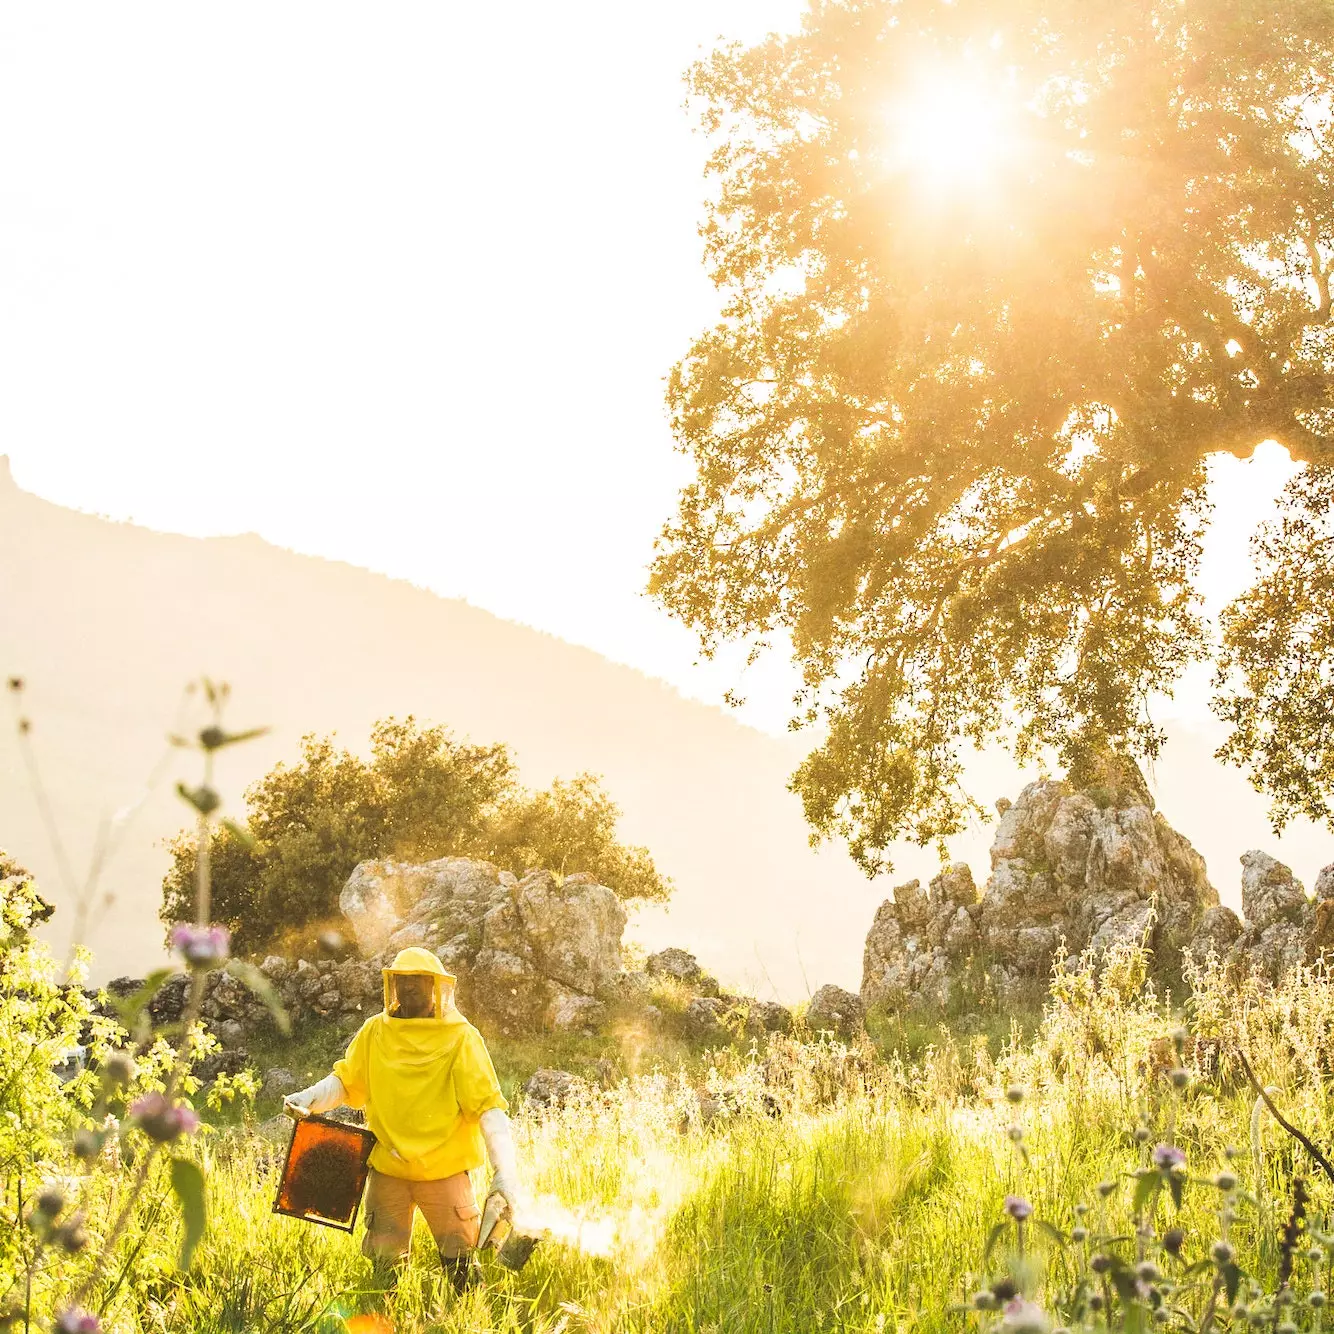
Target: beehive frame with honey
324 1173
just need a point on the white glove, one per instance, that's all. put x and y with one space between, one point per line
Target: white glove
321 1097
500 1149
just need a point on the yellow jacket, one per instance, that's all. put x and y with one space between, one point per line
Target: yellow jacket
424 1084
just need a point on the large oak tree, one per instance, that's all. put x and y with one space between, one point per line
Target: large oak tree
950 433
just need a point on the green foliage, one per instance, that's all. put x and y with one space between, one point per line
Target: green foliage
187 1181
1276 671
421 795
950 441
572 827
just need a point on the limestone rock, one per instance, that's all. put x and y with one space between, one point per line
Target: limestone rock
1324 883
527 952
553 1088
833 1010
367 904
569 1012
1279 918
767 1017
1071 870
1216 934
278 1083
703 1019
574 927
673 962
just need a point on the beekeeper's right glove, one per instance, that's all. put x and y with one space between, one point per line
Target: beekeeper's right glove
500 1149
321 1097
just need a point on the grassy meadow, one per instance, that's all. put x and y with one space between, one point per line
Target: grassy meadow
810 1185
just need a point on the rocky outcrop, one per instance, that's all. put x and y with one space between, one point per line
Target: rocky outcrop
1084 870
1070 870
531 953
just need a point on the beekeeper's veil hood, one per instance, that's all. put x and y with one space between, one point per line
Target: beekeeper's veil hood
418 989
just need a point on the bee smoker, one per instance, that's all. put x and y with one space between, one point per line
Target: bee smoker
497 1233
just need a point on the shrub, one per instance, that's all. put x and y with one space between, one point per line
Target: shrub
421 795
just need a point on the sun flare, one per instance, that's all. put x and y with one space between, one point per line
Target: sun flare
953 128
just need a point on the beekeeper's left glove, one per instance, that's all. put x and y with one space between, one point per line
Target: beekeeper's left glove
500 1149
329 1092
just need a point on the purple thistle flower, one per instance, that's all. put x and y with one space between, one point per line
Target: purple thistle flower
201 946
1023 1315
1018 1208
1167 1158
75 1320
162 1120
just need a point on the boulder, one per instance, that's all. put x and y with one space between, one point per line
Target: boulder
368 904
569 1012
574 927
833 1010
702 1019
528 953
1324 883
553 1088
1279 919
767 1017
673 962
278 1083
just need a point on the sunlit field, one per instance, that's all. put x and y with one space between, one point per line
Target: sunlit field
814 1185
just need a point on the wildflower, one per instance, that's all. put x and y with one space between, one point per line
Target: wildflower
51 1201
1226 1182
1167 1158
1106 1188
71 1237
1022 1315
1222 1253
87 1144
1173 1239
1018 1208
1016 1133
1079 1234
119 1069
1100 1263
1148 1272
985 1301
201 946
162 1120
75 1320
1016 1093
1179 1077
1141 1134
1315 1299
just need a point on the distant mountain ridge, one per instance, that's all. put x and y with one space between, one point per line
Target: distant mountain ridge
106 621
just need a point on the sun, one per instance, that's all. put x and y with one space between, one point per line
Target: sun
952 128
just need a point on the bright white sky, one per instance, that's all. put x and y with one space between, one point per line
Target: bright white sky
394 284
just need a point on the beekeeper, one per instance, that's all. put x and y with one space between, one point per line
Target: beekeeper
425 1078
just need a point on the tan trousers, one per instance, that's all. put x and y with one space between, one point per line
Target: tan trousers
447 1205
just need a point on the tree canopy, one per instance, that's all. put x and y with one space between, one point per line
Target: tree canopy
421 795
951 431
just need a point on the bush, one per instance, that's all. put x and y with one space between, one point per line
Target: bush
421 795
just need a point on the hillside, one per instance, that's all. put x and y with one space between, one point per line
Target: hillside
106 621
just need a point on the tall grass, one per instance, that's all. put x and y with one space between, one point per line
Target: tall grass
805 1187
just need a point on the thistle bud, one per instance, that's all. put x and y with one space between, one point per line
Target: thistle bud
51 1201
119 1069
